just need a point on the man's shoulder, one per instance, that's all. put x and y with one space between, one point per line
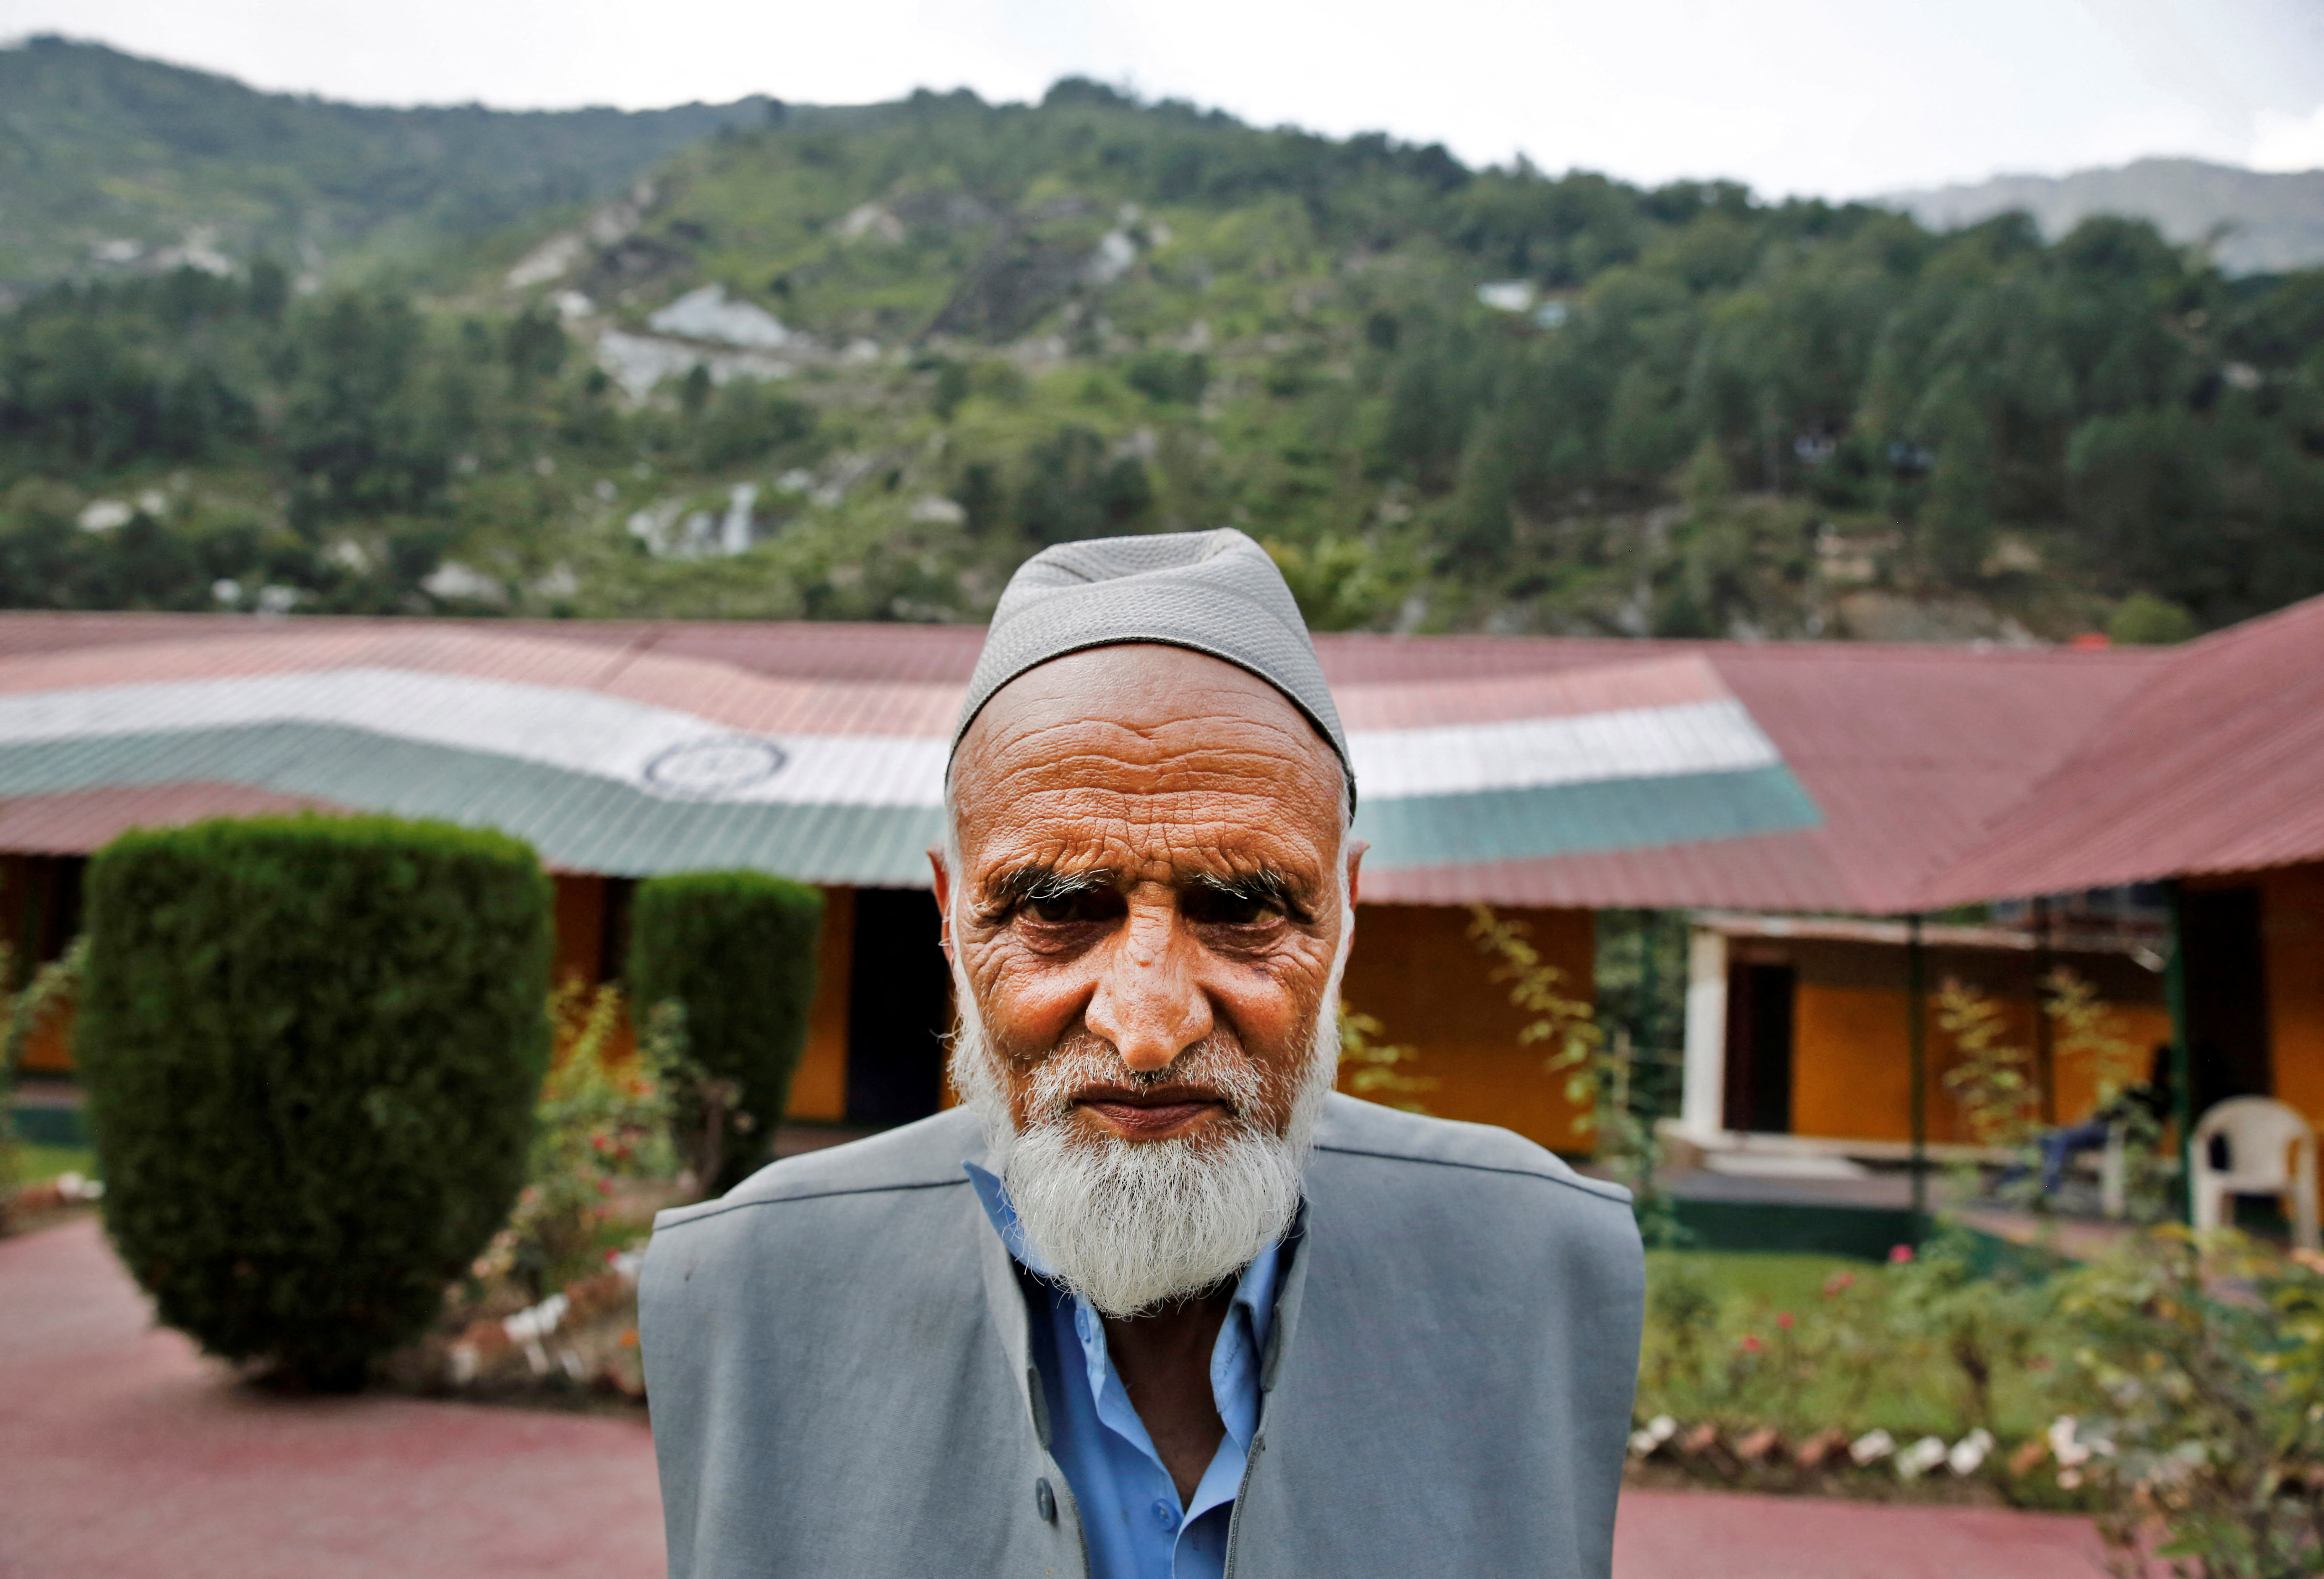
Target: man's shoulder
1449 1153
901 1163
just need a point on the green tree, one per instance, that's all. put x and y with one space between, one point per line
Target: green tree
311 1046
1071 488
2144 619
1954 528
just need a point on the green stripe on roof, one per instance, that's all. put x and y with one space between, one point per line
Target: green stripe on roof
574 820
1565 819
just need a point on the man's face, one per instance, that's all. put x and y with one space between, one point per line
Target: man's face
1148 903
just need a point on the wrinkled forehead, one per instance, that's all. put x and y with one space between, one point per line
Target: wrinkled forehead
1146 755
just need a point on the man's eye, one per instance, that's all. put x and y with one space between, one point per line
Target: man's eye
1065 908
1213 908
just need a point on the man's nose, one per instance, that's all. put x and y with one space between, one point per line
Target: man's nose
1148 1004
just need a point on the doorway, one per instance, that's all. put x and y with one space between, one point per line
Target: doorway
2227 994
899 1008
1759 1047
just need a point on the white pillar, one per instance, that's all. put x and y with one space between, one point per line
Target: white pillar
1702 1093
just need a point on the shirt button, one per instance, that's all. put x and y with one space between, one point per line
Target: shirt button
1165 1515
1044 1502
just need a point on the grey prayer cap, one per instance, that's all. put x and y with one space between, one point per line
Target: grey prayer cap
1215 592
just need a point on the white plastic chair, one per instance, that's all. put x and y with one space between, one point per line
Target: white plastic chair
2270 1151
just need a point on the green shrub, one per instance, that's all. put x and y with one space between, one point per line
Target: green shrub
312 1046
737 951
2144 619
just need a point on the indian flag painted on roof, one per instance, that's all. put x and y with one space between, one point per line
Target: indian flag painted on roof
628 763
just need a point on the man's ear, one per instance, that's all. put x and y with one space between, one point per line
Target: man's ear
944 895
1356 848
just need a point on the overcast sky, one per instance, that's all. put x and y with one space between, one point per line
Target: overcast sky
1839 98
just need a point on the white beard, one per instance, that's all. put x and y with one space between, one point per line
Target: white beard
1131 1224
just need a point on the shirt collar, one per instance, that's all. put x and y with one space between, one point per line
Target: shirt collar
1001 1213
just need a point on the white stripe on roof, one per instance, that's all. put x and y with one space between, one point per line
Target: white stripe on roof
1634 742
684 756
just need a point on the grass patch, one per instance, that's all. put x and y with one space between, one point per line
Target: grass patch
37 1164
1781 1280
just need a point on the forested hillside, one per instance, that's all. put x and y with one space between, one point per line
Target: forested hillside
859 366
108 163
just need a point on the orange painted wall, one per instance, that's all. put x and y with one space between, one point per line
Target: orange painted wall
1852 1062
2292 933
1415 971
819 1088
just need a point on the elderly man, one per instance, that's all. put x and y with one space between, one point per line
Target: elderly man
1156 1302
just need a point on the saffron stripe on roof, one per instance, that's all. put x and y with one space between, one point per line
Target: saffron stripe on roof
738 699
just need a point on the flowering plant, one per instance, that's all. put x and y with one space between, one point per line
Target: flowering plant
2202 1360
23 1014
604 1116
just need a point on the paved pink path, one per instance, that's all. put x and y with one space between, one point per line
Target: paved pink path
123 1455
1718 1535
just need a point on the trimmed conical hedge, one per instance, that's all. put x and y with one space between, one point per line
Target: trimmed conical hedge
737 949
312 1046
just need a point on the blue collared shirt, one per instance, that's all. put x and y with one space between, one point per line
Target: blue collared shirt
1132 1517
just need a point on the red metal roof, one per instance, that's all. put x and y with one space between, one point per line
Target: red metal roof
2217 765
1944 774
76 823
1909 750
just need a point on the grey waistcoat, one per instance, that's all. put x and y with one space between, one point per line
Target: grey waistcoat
837 1356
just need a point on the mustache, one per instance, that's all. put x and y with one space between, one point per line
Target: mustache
1217 1065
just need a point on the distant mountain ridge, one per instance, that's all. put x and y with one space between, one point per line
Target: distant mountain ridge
111 163
2258 222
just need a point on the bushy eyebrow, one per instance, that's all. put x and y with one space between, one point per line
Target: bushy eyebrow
1263 886
1039 882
